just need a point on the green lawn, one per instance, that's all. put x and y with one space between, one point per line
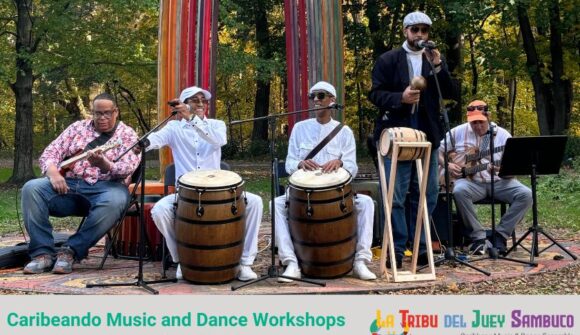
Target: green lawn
558 200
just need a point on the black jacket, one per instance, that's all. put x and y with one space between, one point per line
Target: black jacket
390 78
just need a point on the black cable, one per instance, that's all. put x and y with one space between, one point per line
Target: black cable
18 217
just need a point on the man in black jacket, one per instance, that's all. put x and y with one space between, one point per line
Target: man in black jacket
402 105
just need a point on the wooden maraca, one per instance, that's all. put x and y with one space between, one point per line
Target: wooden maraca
418 83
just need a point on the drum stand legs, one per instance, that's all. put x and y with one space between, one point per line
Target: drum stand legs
422 215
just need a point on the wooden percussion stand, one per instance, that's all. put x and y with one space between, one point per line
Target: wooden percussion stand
422 164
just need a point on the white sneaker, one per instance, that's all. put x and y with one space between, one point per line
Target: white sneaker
360 270
178 274
245 273
292 270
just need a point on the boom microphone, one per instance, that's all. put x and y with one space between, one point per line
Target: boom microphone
426 44
334 105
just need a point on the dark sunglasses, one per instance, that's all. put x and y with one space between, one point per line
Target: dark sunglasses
479 108
196 101
415 29
319 95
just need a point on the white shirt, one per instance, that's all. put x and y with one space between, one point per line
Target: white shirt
308 133
194 147
415 57
466 139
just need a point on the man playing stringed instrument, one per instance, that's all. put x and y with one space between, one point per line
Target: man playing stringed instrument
470 165
92 181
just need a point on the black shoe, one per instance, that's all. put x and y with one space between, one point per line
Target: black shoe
398 260
500 243
478 247
423 259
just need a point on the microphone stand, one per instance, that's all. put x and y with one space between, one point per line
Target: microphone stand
143 143
450 256
273 271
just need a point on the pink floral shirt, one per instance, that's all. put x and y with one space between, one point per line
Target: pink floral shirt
75 138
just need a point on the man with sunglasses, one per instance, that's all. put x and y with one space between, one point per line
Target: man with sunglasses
339 152
94 184
195 143
402 105
473 137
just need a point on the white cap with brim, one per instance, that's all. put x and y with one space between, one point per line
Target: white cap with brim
416 18
324 86
191 91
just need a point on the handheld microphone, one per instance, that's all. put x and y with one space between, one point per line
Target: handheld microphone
334 105
173 112
426 44
144 143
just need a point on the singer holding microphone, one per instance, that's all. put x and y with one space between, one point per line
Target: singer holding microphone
340 151
195 143
405 92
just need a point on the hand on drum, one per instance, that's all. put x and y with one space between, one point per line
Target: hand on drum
331 166
308 165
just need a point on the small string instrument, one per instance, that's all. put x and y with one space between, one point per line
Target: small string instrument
65 165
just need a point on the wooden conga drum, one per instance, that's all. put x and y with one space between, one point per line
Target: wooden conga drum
210 225
322 222
402 134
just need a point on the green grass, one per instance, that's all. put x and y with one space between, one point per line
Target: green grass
558 200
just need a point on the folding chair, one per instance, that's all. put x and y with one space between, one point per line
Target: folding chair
132 210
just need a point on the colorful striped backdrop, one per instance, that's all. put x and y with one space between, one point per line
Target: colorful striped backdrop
314 50
187 53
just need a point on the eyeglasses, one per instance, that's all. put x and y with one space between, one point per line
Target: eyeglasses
318 95
478 107
197 101
105 114
415 29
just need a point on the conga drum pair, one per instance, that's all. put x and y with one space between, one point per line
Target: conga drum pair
210 225
322 222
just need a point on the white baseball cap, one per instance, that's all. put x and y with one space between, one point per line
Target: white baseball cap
191 91
416 17
322 85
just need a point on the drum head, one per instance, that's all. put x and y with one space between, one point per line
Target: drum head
385 142
317 179
210 179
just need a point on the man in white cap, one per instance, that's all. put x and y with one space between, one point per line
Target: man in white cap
402 105
339 152
469 189
195 143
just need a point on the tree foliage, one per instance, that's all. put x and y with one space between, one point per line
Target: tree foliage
521 56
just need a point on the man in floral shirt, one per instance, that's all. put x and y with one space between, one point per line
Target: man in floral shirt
95 182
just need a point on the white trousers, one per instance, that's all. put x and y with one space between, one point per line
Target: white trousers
163 214
364 210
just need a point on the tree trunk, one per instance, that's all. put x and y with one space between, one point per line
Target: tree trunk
22 88
561 103
262 101
375 28
533 65
474 73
